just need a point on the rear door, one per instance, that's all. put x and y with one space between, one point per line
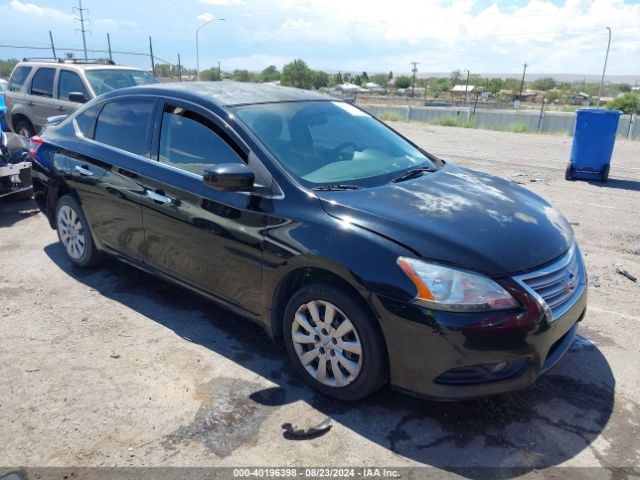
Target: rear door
40 96
105 171
209 239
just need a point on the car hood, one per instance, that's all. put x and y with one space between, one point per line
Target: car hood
460 217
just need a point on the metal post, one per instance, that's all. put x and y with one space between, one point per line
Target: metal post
414 70
109 45
604 69
179 69
197 46
53 47
522 82
540 118
153 64
219 72
476 103
466 88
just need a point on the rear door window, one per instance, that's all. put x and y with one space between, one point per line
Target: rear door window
125 124
69 82
191 142
42 82
18 78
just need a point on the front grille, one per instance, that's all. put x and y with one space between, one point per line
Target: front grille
559 285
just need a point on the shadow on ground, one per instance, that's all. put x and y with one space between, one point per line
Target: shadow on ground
632 185
12 211
543 426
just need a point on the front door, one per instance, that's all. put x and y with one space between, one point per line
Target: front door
209 239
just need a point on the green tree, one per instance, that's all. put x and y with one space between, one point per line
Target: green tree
624 87
212 74
628 103
320 79
364 77
390 76
380 78
241 76
6 67
358 80
270 74
338 78
545 84
403 81
297 74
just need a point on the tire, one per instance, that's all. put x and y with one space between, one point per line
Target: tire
605 174
359 374
74 234
24 128
567 172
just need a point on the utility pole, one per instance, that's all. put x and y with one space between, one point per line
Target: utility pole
83 30
219 72
466 87
153 63
198 48
414 70
604 69
179 69
109 45
522 82
53 47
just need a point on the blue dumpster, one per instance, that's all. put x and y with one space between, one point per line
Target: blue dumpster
593 140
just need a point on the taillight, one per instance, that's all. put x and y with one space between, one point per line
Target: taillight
35 143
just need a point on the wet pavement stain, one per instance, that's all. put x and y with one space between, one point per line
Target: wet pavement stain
230 415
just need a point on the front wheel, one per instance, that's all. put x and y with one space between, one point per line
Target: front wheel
335 345
74 234
25 129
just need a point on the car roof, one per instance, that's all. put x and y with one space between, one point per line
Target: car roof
76 66
225 93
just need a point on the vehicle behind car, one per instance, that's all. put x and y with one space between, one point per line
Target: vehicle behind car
15 167
39 89
3 108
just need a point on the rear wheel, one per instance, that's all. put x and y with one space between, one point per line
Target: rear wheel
74 234
25 129
334 343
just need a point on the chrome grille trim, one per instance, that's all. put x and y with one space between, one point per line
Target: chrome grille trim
557 286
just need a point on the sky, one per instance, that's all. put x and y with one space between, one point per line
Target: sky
483 36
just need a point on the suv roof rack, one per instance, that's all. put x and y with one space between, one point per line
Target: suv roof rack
78 61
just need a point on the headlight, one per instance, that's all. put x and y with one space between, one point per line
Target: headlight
444 288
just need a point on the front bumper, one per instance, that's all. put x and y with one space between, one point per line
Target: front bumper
427 348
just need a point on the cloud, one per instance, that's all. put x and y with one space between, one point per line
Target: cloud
35 10
206 17
222 2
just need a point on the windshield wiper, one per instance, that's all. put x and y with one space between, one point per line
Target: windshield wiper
414 172
337 187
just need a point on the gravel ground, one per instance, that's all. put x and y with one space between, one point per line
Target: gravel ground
112 367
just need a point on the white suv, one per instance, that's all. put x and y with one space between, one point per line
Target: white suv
39 89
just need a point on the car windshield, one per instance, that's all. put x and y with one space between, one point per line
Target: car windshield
103 81
331 142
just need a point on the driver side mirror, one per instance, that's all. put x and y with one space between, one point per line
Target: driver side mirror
230 177
78 97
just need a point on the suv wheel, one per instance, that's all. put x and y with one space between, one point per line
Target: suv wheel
25 129
74 234
334 344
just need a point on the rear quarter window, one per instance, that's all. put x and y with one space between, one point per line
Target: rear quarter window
18 78
86 119
124 124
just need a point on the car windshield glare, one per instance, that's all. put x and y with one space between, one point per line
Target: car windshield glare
329 142
103 81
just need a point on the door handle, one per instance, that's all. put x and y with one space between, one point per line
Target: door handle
31 104
157 197
61 109
84 170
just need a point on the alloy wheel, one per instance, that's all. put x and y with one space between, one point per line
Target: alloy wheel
71 232
327 343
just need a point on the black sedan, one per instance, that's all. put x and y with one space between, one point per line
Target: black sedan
371 259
